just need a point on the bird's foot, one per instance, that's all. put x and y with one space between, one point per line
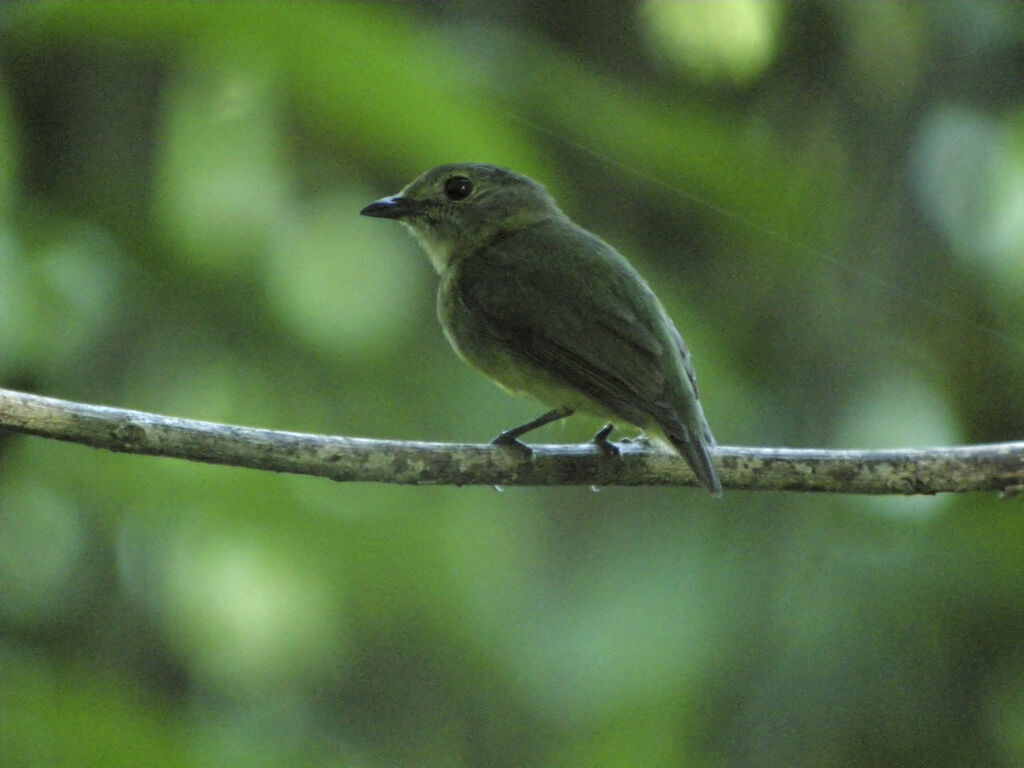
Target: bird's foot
642 440
507 440
606 446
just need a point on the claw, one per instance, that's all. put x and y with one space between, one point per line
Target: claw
512 443
603 443
509 436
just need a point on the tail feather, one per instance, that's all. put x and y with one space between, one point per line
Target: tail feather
697 453
695 443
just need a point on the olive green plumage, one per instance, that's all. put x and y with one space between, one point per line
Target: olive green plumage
548 309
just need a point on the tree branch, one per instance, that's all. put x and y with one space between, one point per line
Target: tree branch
995 467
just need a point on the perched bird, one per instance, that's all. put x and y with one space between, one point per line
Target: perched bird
548 309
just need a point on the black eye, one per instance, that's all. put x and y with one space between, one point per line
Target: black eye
458 188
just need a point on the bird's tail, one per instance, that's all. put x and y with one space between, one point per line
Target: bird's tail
696 447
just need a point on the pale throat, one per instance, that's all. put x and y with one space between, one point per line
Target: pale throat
439 251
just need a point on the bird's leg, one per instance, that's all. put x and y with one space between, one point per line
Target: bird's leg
510 437
603 443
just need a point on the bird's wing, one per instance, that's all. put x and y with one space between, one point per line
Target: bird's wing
577 311
684 352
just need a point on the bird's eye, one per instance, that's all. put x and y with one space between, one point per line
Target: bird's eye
458 188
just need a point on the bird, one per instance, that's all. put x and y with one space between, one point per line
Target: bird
550 310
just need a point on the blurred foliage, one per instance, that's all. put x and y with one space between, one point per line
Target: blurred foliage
829 197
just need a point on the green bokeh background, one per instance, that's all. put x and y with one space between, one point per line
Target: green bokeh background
828 197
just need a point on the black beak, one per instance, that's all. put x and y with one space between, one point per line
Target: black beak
394 207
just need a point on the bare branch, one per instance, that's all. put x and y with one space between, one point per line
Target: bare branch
996 467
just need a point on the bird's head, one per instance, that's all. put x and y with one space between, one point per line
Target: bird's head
457 208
